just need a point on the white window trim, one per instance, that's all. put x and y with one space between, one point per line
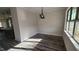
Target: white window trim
76 45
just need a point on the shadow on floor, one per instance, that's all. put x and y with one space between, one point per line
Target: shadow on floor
6 44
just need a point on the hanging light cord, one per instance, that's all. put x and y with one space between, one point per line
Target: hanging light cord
42 15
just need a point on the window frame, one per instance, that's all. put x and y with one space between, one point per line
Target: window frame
67 19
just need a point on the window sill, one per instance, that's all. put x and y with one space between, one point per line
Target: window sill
76 45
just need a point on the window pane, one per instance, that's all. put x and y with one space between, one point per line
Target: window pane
67 25
69 14
71 27
73 13
68 18
9 23
0 24
76 33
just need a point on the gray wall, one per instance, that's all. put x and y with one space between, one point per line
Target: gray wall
53 24
15 24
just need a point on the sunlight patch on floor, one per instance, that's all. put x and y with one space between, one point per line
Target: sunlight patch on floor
36 39
28 44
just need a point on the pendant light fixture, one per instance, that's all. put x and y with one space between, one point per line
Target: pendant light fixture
42 14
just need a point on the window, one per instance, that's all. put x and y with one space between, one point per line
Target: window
72 20
5 22
76 32
68 18
0 24
72 23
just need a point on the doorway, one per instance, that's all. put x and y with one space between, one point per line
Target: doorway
7 37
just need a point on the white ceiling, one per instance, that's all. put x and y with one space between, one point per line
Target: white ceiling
46 9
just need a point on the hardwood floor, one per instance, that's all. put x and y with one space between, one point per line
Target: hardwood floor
50 43
41 42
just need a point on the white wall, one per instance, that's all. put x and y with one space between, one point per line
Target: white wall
53 24
27 23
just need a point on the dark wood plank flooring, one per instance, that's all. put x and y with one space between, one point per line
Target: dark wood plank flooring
50 43
41 42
